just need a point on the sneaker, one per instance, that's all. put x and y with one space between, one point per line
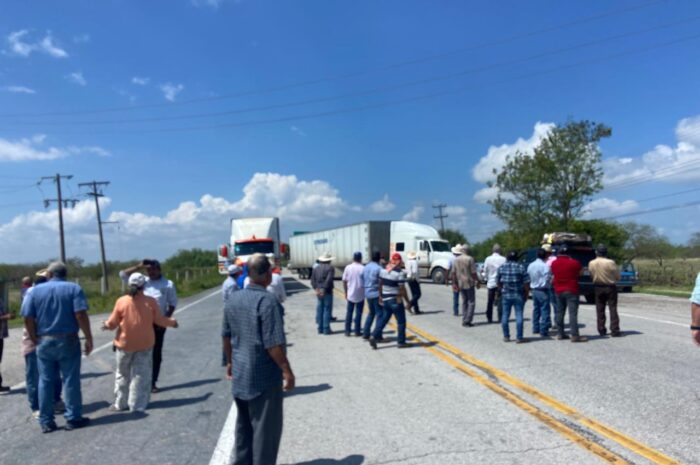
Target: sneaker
579 339
562 337
373 343
35 414
114 408
77 423
49 428
520 341
59 407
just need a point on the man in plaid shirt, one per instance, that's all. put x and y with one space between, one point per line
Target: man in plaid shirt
514 283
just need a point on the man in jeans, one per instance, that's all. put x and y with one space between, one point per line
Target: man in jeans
456 252
255 348
605 275
465 280
491 265
322 283
540 281
370 277
393 294
53 313
354 293
514 283
566 273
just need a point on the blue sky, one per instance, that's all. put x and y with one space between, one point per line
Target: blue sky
390 149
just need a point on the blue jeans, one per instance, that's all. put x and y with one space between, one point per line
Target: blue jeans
540 312
508 304
355 307
59 354
391 307
455 303
31 371
375 310
323 312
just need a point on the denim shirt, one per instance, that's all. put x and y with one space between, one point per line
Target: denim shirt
53 305
371 278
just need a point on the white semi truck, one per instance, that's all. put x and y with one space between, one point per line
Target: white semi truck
385 237
249 236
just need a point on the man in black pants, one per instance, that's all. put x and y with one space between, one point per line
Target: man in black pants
163 290
413 276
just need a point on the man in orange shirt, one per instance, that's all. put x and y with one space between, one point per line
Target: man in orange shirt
135 314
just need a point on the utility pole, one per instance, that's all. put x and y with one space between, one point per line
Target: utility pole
96 193
441 216
61 203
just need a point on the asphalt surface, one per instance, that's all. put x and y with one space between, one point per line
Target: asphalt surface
458 396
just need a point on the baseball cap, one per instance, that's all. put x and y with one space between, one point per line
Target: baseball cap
137 279
396 257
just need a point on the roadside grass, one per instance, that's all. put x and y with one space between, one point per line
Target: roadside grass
187 284
682 293
675 275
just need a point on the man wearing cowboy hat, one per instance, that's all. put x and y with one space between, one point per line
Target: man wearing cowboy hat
456 252
465 280
413 276
322 283
392 296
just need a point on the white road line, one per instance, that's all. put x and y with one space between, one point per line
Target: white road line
654 319
109 344
227 439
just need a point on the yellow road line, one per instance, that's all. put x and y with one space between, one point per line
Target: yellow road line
606 431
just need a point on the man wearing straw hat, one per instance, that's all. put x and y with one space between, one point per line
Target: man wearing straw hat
413 276
456 252
464 279
322 283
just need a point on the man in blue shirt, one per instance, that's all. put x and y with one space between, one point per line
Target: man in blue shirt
255 348
370 276
540 282
514 283
53 313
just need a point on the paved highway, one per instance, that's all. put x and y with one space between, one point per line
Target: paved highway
459 396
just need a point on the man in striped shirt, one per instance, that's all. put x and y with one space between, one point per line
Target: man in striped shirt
392 295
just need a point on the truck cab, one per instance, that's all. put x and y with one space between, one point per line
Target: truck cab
249 236
432 251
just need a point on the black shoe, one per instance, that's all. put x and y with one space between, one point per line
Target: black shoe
49 428
327 333
154 389
617 334
520 341
4 389
347 334
373 343
365 337
402 346
602 333
77 423
561 337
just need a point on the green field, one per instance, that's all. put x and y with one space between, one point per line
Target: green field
675 274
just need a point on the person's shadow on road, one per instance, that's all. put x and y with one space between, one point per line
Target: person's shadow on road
301 390
349 460
170 403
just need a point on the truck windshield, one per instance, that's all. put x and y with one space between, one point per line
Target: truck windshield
439 246
249 248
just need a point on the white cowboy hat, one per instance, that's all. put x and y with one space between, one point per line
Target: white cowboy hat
326 257
411 255
457 250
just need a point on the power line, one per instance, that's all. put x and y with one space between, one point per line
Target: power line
661 173
360 93
653 210
349 75
402 101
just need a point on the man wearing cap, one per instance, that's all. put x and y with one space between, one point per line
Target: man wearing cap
566 272
370 277
456 252
551 256
354 286
230 285
514 282
605 275
53 314
413 276
491 265
163 290
464 280
392 297
322 283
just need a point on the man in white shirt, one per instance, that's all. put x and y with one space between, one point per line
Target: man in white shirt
413 276
491 265
540 283
163 290
354 285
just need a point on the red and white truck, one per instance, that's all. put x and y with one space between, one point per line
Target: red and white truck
249 236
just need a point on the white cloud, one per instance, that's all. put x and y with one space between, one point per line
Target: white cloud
383 205
82 39
485 194
414 214
202 223
663 162
496 156
77 78
17 45
140 81
210 3
604 207
18 90
170 90
31 149
297 131
456 217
